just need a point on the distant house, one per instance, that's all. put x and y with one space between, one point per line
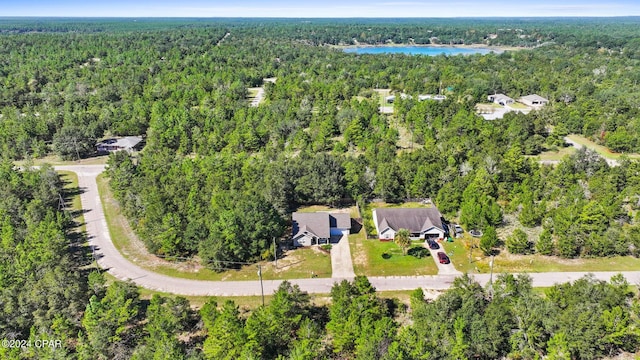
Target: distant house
391 98
129 143
431 97
534 100
318 227
422 223
501 99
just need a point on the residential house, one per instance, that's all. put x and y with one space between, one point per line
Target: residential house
501 99
534 100
318 227
422 223
431 97
129 143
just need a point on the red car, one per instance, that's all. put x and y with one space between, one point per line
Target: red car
443 258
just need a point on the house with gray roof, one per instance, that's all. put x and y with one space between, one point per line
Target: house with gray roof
318 227
422 223
129 143
501 99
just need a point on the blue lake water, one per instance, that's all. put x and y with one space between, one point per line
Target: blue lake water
417 50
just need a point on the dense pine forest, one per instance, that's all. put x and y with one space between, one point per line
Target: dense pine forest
212 162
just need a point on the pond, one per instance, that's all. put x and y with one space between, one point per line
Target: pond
418 50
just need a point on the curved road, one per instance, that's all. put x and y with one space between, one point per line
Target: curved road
109 258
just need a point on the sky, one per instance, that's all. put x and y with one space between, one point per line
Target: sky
318 8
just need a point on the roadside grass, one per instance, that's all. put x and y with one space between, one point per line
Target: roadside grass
509 263
377 258
602 150
558 155
294 264
55 160
70 180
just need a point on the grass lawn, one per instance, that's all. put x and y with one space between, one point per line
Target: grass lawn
505 262
294 264
377 258
518 106
55 160
556 155
603 151
252 92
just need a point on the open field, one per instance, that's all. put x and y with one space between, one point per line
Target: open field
405 137
376 258
555 155
602 150
293 264
505 262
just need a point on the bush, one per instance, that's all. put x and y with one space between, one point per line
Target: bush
488 240
518 242
418 252
326 247
544 246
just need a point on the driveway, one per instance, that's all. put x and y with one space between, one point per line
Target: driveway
443 269
341 264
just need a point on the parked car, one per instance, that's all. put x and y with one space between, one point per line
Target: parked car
432 244
457 229
443 258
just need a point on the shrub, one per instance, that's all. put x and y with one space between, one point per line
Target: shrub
326 247
544 245
418 252
518 242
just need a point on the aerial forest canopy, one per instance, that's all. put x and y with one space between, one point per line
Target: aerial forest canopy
218 177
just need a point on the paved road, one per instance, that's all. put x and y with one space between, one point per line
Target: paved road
579 146
110 259
341 263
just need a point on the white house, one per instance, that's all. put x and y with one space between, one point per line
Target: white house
318 227
501 99
534 100
422 223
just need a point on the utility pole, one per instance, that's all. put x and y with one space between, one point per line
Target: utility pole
275 252
261 287
491 277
